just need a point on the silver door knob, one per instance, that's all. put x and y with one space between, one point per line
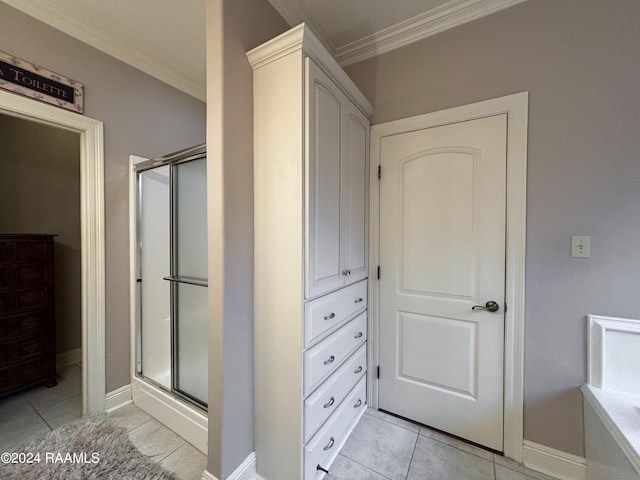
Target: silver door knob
490 306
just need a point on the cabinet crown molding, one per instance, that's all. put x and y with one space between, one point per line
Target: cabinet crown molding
301 38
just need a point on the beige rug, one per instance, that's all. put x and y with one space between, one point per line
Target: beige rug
90 448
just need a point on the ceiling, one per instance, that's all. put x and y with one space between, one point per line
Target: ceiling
166 38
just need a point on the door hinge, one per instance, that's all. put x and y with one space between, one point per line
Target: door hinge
379 172
378 372
505 307
378 272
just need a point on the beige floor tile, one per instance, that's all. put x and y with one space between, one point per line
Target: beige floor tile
457 443
19 422
433 460
69 384
62 412
381 446
129 417
155 440
414 427
187 462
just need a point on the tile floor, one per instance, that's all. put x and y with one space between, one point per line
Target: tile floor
33 413
382 447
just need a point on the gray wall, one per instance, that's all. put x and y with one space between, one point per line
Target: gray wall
142 116
40 193
233 27
579 61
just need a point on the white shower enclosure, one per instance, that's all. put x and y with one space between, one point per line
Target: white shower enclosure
171 323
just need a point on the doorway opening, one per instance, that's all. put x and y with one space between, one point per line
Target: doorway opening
92 268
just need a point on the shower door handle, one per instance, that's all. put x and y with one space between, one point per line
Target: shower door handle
188 281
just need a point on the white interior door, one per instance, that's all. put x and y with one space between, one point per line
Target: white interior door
442 251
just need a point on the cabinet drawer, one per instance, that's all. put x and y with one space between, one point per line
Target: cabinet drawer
326 399
325 314
323 359
323 448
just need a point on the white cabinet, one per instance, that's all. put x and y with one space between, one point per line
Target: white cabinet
336 150
311 133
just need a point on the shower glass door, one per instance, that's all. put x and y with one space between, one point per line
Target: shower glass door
171 337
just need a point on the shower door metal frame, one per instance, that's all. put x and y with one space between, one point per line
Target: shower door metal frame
171 160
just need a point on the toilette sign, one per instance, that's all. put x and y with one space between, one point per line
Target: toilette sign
20 76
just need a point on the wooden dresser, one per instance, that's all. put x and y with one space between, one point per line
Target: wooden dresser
27 321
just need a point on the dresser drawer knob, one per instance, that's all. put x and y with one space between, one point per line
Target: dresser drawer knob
329 360
358 300
359 335
329 317
330 444
358 370
358 403
329 403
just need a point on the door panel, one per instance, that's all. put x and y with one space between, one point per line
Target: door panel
323 194
442 251
355 193
154 226
190 264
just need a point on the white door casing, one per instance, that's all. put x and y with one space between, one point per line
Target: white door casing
91 232
442 218
515 108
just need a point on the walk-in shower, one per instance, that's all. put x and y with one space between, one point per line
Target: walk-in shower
171 283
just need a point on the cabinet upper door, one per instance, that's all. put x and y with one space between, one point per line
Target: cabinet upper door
354 195
323 131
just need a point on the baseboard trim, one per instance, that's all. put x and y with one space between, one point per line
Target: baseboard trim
185 420
245 471
118 398
550 461
71 357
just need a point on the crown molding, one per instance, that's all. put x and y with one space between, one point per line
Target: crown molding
294 13
301 38
449 15
101 40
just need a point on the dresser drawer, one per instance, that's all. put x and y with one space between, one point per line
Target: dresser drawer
323 359
23 300
22 250
23 374
325 314
20 276
323 448
326 399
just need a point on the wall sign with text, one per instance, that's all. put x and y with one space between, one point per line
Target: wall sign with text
20 76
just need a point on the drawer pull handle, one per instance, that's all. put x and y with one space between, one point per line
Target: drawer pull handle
329 360
322 469
358 403
330 444
329 317
359 335
358 370
329 403
358 300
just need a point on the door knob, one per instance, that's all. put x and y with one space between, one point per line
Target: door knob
490 306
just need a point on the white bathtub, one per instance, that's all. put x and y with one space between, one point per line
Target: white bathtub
612 399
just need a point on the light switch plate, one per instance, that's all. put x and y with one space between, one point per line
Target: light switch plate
580 246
